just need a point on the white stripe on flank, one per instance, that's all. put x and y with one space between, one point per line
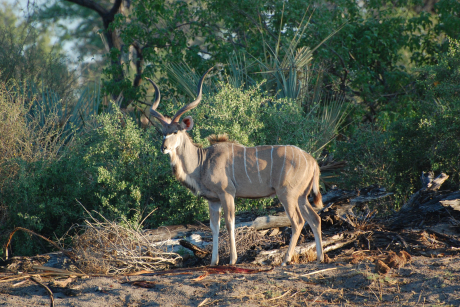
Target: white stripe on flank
306 163
293 158
233 165
257 161
302 153
297 169
245 165
282 169
271 166
296 165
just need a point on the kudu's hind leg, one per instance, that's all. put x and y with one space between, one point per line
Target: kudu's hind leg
314 221
214 221
297 222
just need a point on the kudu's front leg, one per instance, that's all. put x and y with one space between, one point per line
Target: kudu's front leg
214 221
228 203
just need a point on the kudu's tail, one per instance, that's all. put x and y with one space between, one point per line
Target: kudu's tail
317 198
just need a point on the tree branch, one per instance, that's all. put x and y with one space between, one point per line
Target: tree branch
115 8
139 64
92 6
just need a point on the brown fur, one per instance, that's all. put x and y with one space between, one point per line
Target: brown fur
220 138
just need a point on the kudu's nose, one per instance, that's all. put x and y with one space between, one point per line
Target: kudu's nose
163 147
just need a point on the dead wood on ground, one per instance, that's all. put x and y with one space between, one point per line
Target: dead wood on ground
306 251
428 205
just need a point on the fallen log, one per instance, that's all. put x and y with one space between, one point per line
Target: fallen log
448 240
338 203
452 203
426 203
198 252
429 184
266 222
175 231
276 256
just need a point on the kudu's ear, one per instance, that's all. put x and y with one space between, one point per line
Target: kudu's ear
187 123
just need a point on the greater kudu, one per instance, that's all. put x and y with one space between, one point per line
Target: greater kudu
227 170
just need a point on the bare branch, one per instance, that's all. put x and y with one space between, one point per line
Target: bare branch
92 6
139 64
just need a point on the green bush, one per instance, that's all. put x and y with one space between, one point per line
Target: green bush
132 177
369 158
36 177
430 138
251 118
395 158
427 142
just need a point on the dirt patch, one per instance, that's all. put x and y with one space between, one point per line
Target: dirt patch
431 281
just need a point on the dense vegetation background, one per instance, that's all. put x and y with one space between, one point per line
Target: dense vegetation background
375 83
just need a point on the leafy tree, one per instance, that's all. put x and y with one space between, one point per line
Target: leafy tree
134 32
74 24
368 59
26 53
427 139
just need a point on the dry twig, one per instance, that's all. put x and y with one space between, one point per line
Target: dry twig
70 255
317 272
47 289
110 248
278 297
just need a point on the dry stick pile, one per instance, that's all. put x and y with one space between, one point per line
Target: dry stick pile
109 248
247 239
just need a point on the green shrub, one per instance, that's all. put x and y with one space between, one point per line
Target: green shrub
427 142
114 168
395 158
369 156
132 176
430 138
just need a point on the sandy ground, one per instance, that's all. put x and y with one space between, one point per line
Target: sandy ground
423 282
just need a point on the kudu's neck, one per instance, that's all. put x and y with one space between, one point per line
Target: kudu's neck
187 158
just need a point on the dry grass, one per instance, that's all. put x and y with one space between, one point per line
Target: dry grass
308 256
26 134
111 248
247 239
